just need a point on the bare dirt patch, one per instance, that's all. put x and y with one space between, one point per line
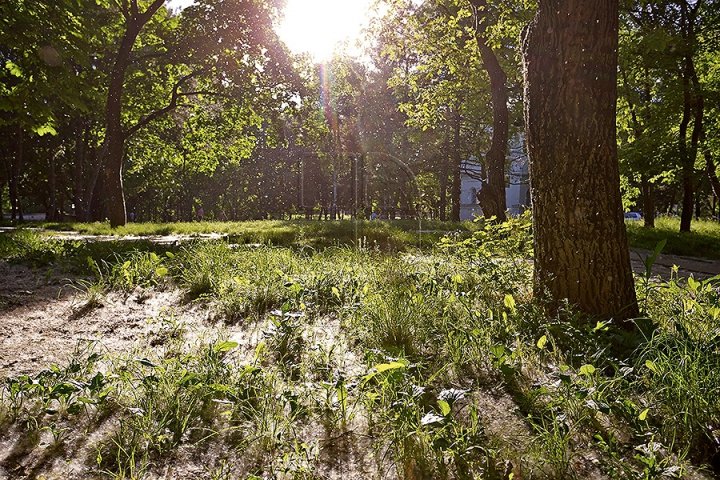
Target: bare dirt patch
43 316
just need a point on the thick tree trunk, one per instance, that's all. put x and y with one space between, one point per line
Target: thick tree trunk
688 164
492 200
570 69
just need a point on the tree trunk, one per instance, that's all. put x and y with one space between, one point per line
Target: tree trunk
114 135
443 188
688 165
15 208
710 170
455 190
492 200
570 69
648 196
51 214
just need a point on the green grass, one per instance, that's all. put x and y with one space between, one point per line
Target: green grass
418 338
388 235
702 241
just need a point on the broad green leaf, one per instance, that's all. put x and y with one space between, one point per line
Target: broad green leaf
444 407
509 302
384 367
498 351
643 414
13 68
541 342
161 271
224 346
587 370
44 129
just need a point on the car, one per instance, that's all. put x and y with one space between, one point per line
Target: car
634 216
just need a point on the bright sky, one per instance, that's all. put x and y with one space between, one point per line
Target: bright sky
316 26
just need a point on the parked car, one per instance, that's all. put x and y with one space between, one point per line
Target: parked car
634 216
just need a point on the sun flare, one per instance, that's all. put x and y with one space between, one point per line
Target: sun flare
316 26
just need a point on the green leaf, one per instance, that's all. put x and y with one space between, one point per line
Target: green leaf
13 68
651 365
384 367
224 346
498 351
587 370
43 129
601 326
509 302
541 342
693 284
643 415
444 407
161 271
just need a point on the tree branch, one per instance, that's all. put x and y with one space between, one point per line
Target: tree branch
176 94
151 10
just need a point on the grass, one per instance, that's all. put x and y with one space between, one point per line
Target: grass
417 339
702 241
388 235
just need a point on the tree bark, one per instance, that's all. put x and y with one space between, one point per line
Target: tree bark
688 165
692 99
51 214
442 206
492 200
15 206
570 69
648 196
456 186
710 170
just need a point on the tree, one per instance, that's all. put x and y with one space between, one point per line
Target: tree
491 45
39 42
225 49
440 84
580 244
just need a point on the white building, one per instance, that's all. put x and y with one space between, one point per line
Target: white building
517 182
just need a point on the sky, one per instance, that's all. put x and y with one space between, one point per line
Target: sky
316 26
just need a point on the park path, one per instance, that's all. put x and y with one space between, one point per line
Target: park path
700 268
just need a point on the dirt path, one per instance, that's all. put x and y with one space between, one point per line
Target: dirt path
700 268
